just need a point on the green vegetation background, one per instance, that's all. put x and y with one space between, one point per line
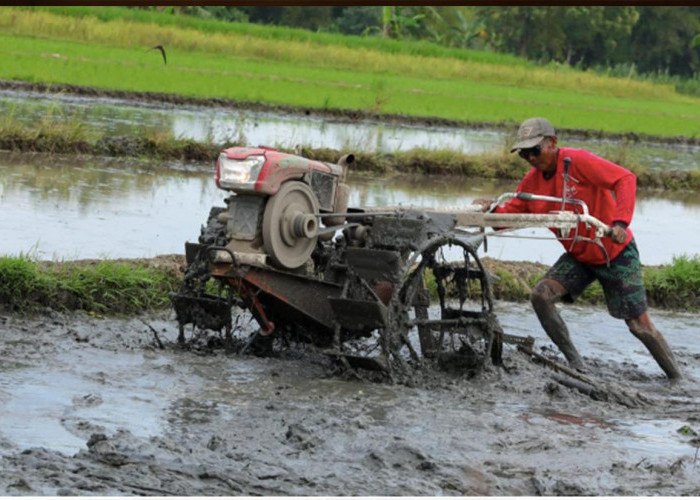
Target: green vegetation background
209 58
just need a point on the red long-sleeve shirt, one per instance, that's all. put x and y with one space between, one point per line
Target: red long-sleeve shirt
593 180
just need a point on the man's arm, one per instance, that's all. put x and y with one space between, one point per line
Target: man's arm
625 189
606 174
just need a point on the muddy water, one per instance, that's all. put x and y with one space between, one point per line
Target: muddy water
90 406
44 405
69 207
285 131
222 125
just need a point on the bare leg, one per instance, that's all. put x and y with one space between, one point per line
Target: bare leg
642 328
544 297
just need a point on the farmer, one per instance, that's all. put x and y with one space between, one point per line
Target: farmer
576 173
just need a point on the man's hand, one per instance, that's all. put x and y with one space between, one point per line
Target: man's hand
619 234
483 203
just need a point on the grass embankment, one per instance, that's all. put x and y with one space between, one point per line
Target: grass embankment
61 135
284 66
129 286
64 135
98 287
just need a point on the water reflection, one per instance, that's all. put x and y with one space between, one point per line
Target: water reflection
228 125
68 207
258 128
75 208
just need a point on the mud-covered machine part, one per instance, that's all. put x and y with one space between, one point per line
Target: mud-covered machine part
412 293
392 290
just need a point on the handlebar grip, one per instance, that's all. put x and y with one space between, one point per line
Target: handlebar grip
525 196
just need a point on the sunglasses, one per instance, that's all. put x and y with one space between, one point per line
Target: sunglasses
533 151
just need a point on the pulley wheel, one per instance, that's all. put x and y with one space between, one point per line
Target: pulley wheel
290 225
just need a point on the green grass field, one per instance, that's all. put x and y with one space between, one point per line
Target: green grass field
106 286
285 66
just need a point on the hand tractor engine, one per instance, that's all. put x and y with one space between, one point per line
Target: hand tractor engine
389 289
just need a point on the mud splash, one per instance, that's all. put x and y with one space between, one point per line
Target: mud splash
110 413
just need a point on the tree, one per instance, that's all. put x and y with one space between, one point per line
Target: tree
585 35
310 17
263 15
592 34
399 22
455 26
662 40
524 31
359 20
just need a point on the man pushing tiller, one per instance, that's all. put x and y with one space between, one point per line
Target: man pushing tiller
578 175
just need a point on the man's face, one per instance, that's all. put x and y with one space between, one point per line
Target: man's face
543 156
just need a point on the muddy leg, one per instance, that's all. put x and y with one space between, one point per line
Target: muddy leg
642 328
228 338
495 332
543 298
181 335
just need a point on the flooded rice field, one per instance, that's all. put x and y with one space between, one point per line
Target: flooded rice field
94 406
125 117
56 207
119 117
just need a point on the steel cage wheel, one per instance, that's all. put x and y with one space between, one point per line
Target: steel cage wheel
414 335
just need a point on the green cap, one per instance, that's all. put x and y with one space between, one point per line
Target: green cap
531 133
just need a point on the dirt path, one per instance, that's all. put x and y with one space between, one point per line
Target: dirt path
92 406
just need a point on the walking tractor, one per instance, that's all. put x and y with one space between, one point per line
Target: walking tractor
375 288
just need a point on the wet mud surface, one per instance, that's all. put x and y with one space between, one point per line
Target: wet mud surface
348 115
93 406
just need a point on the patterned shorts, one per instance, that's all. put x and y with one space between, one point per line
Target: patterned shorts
622 281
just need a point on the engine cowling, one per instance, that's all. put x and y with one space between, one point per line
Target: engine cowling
277 201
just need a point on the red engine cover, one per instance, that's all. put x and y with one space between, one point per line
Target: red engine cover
278 168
